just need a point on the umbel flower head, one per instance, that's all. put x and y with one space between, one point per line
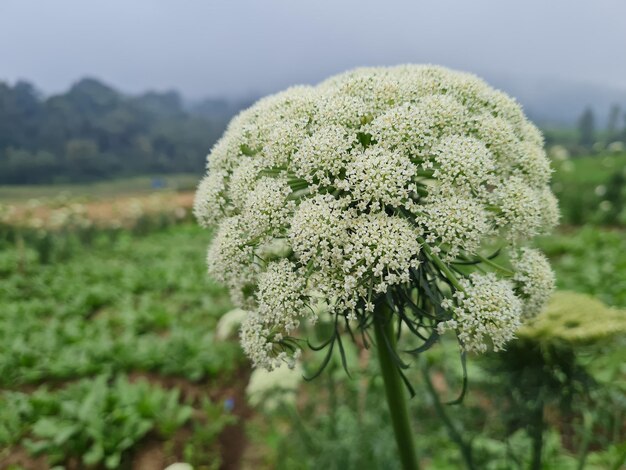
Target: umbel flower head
380 185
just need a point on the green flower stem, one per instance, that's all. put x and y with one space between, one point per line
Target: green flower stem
421 190
298 194
426 173
394 388
496 266
535 431
441 265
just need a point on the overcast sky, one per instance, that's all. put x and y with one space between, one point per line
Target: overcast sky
236 47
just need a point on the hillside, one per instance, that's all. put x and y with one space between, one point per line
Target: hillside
95 132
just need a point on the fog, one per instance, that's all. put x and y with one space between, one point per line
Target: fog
239 47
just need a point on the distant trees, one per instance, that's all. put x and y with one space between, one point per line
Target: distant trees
592 135
612 128
587 128
93 132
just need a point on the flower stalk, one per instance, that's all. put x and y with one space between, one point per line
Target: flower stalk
394 388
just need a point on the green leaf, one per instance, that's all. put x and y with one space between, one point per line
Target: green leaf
113 460
46 428
94 454
65 432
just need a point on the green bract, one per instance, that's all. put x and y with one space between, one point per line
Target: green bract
380 184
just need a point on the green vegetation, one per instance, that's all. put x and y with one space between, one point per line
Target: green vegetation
592 261
138 306
575 318
95 420
547 402
119 305
592 189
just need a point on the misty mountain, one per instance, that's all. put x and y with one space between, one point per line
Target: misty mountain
219 108
555 102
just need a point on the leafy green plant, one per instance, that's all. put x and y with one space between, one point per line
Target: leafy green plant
98 420
591 190
543 397
136 309
15 412
590 261
200 449
115 304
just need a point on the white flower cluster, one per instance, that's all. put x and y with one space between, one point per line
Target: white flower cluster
281 304
350 177
379 178
535 279
454 220
377 251
231 258
322 156
210 208
267 210
485 311
355 255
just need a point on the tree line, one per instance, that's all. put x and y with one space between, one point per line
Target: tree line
615 131
590 135
94 132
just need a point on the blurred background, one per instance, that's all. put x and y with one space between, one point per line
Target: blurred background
115 350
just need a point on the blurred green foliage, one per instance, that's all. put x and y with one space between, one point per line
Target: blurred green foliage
591 261
118 303
95 420
126 304
541 404
591 189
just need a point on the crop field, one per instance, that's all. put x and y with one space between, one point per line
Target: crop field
110 356
123 324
